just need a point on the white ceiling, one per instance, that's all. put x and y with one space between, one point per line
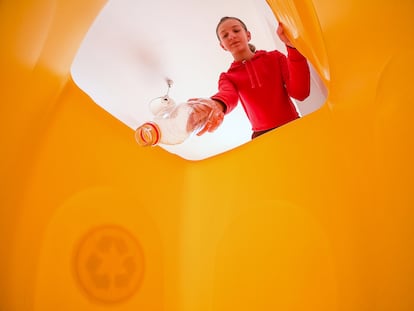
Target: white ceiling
133 46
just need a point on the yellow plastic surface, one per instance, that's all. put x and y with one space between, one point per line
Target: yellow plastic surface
317 215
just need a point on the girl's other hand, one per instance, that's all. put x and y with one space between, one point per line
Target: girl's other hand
282 35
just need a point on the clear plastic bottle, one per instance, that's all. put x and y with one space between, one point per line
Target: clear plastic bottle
172 124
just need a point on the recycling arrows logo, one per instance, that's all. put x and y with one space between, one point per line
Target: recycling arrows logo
109 264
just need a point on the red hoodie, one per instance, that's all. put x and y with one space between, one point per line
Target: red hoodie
264 85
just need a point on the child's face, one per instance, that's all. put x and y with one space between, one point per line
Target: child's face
233 37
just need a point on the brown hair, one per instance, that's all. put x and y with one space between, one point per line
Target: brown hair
223 19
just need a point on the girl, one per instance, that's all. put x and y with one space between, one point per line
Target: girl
263 81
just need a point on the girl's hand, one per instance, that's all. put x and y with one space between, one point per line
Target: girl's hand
282 36
215 117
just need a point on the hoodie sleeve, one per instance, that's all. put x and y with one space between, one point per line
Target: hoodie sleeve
227 93
296 75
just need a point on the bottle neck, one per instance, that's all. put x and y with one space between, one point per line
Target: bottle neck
148 134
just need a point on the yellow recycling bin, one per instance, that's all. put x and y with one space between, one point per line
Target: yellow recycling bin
317 215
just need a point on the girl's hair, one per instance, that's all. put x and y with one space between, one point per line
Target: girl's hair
223 19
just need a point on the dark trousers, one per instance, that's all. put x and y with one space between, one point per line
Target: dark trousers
258 133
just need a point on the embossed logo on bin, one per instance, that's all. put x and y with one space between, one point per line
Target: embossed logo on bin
109 264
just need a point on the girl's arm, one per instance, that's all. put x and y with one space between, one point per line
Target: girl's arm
295 69
224 101
296 74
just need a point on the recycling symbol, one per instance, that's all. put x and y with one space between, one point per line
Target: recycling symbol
109 264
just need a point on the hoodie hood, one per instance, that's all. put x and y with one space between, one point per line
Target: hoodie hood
236 64
249 67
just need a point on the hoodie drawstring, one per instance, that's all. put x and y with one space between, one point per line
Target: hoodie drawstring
252 77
